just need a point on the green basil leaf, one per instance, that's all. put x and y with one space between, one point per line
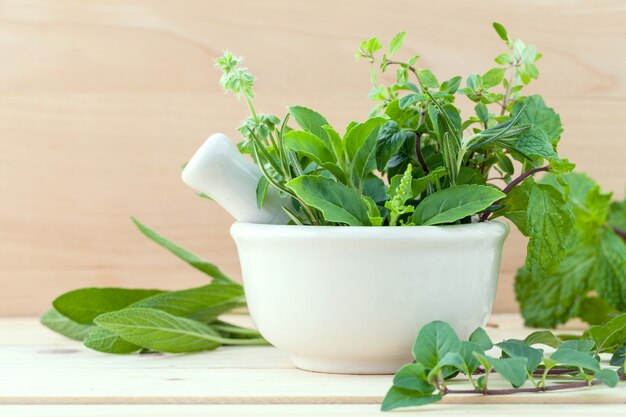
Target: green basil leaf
311 121
337 202
360 144
455 203
389 141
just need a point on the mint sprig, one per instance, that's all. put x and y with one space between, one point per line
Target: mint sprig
441 359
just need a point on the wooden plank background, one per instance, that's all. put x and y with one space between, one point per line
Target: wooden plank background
102 101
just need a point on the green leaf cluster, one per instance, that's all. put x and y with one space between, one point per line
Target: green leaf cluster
441 357
120 321
590 281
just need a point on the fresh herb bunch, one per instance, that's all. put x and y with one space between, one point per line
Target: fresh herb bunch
120 320
440 356
417 161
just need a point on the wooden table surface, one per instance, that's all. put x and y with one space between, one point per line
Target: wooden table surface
43 374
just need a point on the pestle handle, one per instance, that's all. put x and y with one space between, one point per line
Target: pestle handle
218 170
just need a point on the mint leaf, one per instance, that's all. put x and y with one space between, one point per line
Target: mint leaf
511 369
610 270
160 331
455 203
400 397
570 357
337 202
481 338
517 349
536 113
608 377
413 377
193 260
433 341
85 304
57 322
595 310
103 340
534 143
542 337
550 224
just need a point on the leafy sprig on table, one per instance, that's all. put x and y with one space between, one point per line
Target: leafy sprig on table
440 357
120 320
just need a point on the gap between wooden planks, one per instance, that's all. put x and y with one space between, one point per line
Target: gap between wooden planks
40 367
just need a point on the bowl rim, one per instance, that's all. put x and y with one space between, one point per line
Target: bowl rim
488 229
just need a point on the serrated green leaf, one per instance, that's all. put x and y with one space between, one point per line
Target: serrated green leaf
193 260
536 113
550 224
595 310
85 304
337 202
455 203
433 341
57 322
610 271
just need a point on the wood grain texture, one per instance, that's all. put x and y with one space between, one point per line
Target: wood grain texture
102 101
46 369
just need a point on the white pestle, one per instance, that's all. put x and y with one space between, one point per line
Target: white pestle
218 170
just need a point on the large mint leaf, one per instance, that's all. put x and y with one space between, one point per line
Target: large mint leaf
193 260
610 273
540 116
455 203
85 304
337 202
550 225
